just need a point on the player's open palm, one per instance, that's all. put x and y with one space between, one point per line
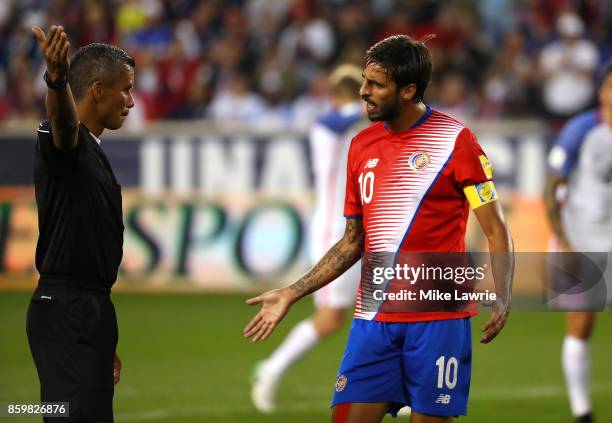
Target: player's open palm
274 306
496 321
54 48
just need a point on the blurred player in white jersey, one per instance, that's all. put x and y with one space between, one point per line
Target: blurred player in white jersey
581 161
330 139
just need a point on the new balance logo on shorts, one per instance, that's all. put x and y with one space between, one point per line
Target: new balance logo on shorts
371 163
443 399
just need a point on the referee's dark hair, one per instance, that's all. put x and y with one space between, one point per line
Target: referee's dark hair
96 62
407 61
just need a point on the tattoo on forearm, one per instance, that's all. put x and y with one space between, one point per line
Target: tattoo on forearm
354 232
337 260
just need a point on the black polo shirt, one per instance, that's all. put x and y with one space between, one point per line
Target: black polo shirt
79 212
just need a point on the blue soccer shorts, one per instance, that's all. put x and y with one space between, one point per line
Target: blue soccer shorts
425 365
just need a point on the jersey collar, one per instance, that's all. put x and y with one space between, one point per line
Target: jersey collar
422 120
98 140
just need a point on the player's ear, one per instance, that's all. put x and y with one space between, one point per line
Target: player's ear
407 92
97 90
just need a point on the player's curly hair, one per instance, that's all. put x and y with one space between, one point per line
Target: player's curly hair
407 61
96 62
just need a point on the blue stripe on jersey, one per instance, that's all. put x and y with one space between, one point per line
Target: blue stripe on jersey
571 137
399 249
419 205
339 122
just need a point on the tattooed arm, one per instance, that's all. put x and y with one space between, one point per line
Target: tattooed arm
335 262
276 303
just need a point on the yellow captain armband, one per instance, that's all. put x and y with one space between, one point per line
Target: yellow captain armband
480 194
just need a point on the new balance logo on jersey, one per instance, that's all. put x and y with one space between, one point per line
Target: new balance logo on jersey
371 163
443 399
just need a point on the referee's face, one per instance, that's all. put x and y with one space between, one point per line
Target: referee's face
117 100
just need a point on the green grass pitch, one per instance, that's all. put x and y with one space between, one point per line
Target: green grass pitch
184 360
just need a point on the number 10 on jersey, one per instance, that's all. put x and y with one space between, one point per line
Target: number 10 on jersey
366 187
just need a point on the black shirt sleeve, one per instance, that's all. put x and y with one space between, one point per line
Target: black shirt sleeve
51 155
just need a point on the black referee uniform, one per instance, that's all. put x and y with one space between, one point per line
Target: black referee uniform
71 323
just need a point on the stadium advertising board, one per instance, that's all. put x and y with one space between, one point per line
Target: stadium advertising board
231 211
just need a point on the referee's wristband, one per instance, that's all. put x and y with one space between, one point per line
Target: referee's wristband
55 84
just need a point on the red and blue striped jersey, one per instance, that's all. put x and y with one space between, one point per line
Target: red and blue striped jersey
408 189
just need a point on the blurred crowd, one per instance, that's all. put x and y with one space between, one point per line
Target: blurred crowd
265 61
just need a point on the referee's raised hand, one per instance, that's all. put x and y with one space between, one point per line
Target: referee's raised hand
60 104
55 51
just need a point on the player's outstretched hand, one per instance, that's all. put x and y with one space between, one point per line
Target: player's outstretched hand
274 306
496 322
55 51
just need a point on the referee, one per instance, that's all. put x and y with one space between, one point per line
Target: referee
71 322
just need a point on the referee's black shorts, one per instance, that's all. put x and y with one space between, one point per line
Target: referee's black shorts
73 337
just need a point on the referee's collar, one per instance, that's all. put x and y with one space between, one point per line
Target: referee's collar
98 140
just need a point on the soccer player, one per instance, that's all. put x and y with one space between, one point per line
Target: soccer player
329 140
71 322
411 178
581 161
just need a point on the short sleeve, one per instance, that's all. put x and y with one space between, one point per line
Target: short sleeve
50 154
564 154
352 199
470 164
44 143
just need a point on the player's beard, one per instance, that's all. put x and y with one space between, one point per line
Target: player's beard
385 112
